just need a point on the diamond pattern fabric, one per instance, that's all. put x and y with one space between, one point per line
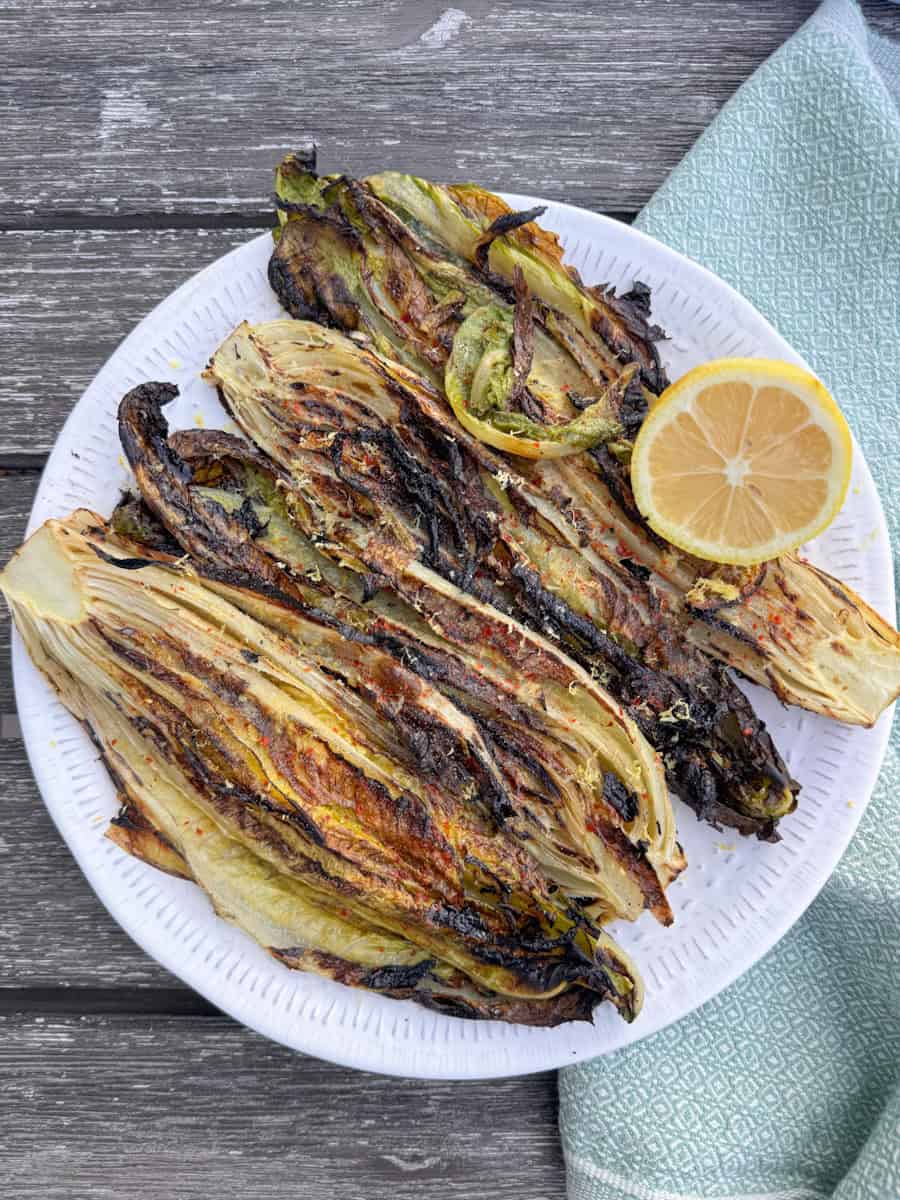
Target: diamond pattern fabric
785 1086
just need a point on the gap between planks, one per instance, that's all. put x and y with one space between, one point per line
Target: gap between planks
127 222
260 221
22 463
52 1001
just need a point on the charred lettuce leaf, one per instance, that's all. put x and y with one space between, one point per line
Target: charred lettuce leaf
800 632
385 481
162 824
486 376
199 706
345 259
789 626
480 228
540 760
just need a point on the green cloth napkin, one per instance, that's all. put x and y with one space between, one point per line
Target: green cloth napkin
787 1085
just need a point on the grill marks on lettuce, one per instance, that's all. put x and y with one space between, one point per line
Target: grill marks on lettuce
798 631
462 513
790 627
157 654
801 633
512 751
345 259
481 229
306 929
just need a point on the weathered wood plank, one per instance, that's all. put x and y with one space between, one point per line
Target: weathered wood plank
54 930
68 300
71 296
101 1107
144 108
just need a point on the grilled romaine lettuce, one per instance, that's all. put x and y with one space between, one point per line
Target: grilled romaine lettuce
561 770
785 624
217 710
384 480
162 824
481 229
344 258
486 376
788 626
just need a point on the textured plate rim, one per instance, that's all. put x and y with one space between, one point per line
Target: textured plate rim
234 1001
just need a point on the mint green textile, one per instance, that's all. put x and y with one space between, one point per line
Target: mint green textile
787 1085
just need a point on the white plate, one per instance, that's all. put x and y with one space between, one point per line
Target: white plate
738 896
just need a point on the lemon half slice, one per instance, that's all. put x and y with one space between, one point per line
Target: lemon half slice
742 459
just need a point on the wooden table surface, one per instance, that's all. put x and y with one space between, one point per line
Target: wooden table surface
137 145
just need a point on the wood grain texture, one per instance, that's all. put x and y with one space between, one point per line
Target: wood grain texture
139 138
197 1109
115 108
68 300
54 931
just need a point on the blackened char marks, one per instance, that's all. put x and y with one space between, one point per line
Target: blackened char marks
619 797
